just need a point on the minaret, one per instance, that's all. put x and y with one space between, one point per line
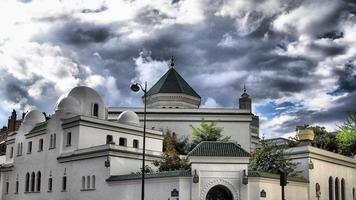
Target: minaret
245 101
11 123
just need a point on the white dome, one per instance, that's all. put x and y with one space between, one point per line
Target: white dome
129 117
68 104
34 117
82 100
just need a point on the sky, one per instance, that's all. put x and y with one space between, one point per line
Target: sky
297 58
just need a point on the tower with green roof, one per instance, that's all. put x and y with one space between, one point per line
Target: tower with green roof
172 91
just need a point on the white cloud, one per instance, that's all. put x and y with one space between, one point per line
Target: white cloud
148 69
210 103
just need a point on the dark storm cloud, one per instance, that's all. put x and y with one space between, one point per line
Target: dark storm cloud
347 79
259 58
78 33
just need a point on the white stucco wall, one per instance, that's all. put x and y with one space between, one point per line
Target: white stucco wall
325 164
293 191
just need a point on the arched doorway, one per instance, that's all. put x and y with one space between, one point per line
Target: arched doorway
219 192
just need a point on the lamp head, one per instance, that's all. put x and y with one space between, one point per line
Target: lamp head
134 87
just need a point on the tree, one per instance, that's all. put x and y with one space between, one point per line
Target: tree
346 136
207 132
270 157
171 159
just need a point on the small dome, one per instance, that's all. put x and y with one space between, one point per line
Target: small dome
67 104
82 100
129 117
34 117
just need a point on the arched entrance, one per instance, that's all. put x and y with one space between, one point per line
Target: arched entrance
219 192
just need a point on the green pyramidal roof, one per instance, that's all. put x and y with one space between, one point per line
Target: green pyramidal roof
172 82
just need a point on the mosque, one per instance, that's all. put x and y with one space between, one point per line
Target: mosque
88 151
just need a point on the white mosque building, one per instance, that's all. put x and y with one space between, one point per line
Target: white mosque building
89 151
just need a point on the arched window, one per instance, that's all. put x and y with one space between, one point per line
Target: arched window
27 182
7 187
50 185
33 182
95 110
93 181
17 187
83 182
353 193
38 181
54 140
331 193
337 191
88 182
342 189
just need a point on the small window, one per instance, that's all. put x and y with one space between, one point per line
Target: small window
21 148
331 193
50 185
38 184
17 187
51 141
40 145
69 138
95 110
109 139
11 152
7 187
27 183
353 193
123 142
64 183
54 141
33 182
135 144
93 181
337 191
342 189
88 182
29 147
83 182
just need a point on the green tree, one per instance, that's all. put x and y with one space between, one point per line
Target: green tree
270 157
207 132
346 136
171 159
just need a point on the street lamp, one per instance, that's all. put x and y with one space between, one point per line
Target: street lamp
135 88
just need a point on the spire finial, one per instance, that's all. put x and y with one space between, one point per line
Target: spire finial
244 88
172 61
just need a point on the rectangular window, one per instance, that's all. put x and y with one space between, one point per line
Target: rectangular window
50 185
135 144
122 142
18 149
64 183
17 187
40 145
11 152
29 147
69 138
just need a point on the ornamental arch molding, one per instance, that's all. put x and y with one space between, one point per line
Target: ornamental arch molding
216 182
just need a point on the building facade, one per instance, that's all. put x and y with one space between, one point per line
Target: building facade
88 151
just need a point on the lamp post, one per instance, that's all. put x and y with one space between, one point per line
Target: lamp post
136 87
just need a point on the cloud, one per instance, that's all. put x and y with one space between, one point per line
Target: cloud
297 58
